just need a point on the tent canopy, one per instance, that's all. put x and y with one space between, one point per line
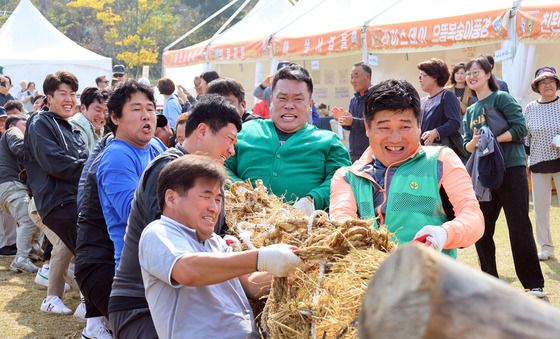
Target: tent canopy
246 39
32 47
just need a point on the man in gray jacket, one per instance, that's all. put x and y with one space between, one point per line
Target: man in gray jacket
14 198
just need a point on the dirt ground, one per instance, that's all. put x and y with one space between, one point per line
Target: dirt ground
19 308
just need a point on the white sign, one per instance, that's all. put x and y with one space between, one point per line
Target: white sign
315 65
503 54
373 59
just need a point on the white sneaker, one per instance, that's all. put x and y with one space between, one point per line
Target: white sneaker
52 304
80 313
42 278
98 332
545 255
22 264
537 292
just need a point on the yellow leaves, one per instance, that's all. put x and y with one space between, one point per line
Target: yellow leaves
138 58
94 4
107 17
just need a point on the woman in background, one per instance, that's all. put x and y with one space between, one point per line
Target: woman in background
460 88
543 123
513 194
441 110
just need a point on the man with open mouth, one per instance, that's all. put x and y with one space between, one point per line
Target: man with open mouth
91 118
292 158
421 193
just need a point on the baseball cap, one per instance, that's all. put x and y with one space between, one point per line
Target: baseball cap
119 70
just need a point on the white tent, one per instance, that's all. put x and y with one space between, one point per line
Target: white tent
240 52
31 48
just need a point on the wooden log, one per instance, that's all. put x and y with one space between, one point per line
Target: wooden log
420 293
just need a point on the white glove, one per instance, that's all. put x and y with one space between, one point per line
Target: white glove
277 259
305 205
433 236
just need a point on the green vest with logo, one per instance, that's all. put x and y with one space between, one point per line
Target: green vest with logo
413 200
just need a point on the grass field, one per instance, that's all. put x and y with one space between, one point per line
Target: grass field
20 298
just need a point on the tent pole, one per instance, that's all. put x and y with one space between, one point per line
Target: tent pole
194 29
233 16
364 44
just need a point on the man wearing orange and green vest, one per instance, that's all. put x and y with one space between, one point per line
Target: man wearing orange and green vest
420 193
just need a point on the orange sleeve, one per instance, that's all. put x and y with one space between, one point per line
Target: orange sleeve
342 201
468 225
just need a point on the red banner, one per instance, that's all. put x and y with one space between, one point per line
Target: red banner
322 44
486 26
538 23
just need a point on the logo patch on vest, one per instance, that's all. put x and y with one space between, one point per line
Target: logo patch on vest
414 185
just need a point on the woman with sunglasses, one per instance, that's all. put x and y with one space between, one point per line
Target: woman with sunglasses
512 195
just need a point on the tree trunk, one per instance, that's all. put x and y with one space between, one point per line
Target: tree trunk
419 293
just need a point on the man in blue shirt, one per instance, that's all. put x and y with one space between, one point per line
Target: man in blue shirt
132 117
354 119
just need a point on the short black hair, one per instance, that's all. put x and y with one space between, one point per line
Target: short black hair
483 62
122 93
166 86
437 69
91 94
11 104
364 66
100 79
209 76
12 120
226 87
293 72
394 95
37 97
54 80
181 174
214 111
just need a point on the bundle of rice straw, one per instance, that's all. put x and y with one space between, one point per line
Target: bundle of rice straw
324 301
324 298
260 218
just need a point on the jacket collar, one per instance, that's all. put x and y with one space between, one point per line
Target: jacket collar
367 158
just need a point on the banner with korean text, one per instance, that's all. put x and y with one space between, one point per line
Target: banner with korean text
195 54
538 23
322 44
440 32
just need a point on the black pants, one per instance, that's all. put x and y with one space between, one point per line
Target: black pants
513 196
62 221
95 281
133 324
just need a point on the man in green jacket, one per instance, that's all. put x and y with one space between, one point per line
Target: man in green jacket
292 158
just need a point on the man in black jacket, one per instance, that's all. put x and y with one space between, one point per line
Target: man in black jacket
211 129
55 154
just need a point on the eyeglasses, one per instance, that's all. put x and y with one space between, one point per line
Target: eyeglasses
473 73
